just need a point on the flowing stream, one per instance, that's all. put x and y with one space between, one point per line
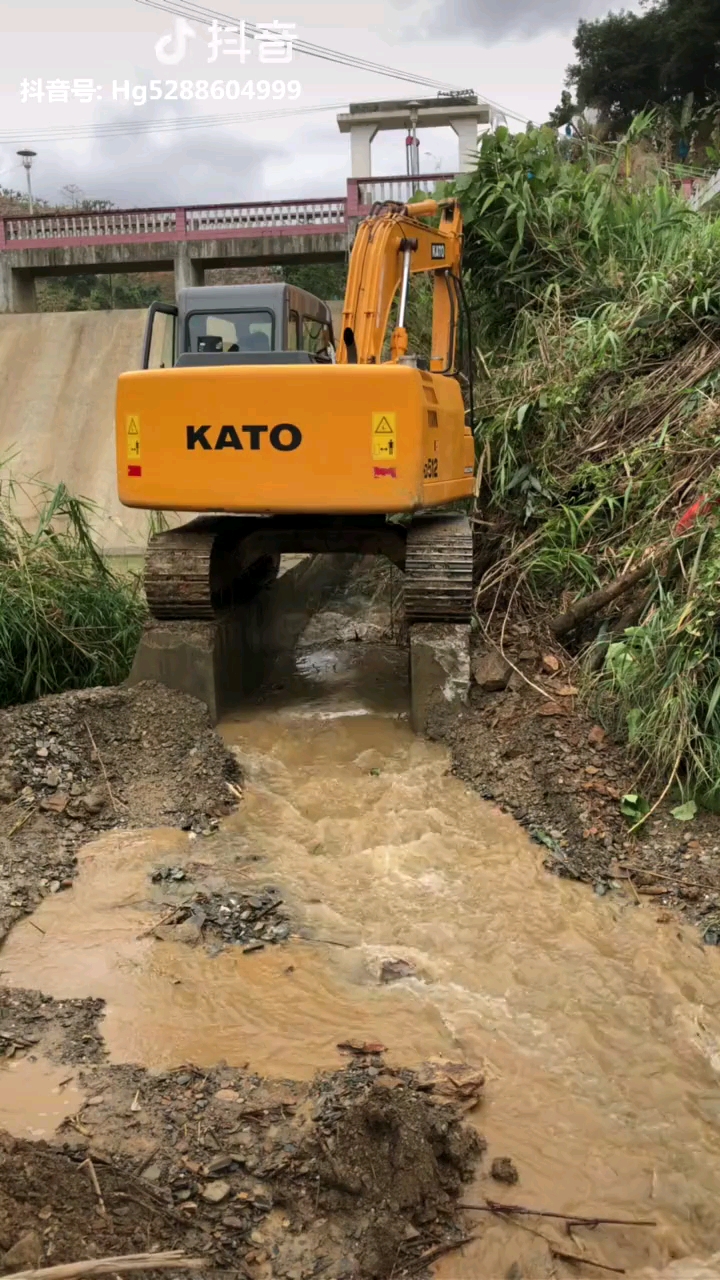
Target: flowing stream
599 1029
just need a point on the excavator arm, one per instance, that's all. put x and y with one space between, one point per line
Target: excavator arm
391 245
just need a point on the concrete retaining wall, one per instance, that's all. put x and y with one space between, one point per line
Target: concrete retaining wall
57 407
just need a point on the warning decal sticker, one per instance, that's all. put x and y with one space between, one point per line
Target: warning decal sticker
384 437
132 431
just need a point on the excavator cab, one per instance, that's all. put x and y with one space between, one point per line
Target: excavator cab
239 324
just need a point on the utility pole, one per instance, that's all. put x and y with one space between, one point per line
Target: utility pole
27 158
412 144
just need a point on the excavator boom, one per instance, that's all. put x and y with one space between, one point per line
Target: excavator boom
392 244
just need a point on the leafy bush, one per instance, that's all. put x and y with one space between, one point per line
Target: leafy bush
596 293
66 620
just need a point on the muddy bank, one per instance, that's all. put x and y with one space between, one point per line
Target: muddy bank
529 746
80 763
355 1174
65 1031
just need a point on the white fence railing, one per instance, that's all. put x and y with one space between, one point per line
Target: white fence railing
139 223
326 213
399 189
82 226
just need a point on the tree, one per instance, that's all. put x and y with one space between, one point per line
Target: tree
325 280
627 62
564 112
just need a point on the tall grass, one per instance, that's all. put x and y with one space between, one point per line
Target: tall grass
597 303
66 620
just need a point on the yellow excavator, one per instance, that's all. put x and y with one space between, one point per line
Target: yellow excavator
246 410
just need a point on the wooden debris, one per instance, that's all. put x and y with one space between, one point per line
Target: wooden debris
113 1266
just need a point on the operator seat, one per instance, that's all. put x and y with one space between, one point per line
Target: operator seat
257 342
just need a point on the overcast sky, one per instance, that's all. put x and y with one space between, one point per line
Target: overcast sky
512 51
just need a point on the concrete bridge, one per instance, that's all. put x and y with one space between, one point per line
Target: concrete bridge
190 239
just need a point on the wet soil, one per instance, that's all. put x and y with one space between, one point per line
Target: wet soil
356 1174
79 763
537 754
63 1031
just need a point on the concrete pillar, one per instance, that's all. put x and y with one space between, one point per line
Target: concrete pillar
5 284
17 291
24 295
439 670
467 135
222 662
361 136
187 271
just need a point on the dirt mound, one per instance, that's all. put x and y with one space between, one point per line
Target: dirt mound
78 763
49 1210
381 1146
354 1175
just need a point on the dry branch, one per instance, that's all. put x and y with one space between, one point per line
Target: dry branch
589 605
112 1266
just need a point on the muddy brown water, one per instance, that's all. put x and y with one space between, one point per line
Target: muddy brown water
599 1028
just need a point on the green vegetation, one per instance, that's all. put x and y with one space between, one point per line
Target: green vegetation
596 295
66 620
325 279
95 293
628 61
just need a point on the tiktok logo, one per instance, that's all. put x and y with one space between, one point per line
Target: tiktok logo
171 48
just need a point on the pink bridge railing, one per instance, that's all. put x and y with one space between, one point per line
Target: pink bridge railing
192 222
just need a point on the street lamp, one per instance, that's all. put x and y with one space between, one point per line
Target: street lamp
27 158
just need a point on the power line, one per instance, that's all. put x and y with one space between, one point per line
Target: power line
201 13
164 124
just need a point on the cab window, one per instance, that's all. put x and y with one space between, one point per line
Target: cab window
247 331
317 337
293 332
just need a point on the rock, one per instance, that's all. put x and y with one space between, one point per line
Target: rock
9 787
152 1173
25 1255
189 931
95 800
394 970
218 1165
55 804
491 672
502 1169
216 1192
551 663
361 1047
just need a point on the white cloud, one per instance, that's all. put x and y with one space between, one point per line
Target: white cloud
491 20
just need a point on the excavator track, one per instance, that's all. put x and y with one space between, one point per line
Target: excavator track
439 569
197 571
